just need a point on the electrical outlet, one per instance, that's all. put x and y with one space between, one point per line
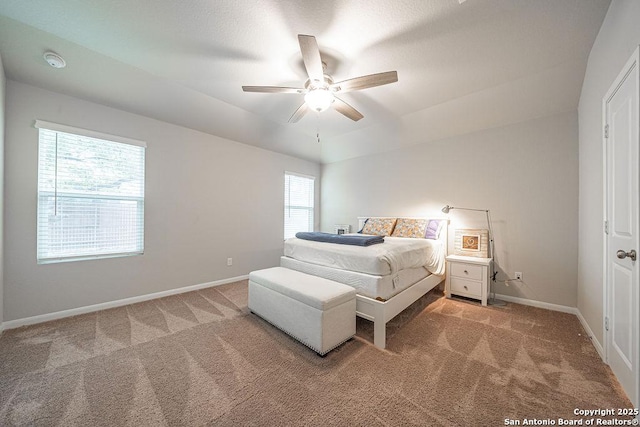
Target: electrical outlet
518 275
229 261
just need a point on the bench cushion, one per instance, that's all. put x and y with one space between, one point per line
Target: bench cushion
314 291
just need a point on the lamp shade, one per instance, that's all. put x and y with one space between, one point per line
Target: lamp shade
319 99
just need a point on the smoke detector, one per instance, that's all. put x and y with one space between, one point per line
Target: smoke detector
55 60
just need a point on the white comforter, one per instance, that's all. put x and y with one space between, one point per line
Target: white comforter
395 254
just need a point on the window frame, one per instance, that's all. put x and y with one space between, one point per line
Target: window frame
46 192
288 207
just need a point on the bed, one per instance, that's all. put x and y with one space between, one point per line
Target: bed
388 277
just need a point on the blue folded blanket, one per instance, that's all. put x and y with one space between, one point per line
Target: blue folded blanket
342 239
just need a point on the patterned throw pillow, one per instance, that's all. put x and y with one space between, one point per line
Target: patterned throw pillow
406 227
379 226
433 229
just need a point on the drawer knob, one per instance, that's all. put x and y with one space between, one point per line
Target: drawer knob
466 288
466 272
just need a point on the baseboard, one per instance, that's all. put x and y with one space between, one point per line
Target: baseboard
594 340
561 308
12 324
539 304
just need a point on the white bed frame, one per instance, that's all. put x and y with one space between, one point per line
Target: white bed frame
380 312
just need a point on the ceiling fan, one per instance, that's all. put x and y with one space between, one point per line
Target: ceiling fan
320 90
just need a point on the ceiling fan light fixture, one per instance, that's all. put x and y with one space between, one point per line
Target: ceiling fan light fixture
319 99
320 89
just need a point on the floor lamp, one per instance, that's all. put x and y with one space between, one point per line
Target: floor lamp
492 300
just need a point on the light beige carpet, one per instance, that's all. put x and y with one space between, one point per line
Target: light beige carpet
202 359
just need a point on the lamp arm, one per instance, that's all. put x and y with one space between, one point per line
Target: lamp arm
490 233
488 213
468 209
447 208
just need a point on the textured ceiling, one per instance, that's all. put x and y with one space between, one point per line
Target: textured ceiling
461 67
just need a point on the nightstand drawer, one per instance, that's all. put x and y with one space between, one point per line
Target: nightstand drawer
466 287
466 271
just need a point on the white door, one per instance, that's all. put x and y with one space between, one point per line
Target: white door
622 120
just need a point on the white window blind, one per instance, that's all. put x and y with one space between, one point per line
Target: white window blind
298 204
90 197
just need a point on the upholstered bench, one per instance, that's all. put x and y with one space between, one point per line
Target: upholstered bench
320 313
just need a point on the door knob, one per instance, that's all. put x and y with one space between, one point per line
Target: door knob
631 254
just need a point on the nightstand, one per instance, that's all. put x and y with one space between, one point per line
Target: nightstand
468 277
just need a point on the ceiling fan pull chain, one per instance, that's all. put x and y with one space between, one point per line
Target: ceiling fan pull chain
318 127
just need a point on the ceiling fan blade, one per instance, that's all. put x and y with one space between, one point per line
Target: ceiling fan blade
273 89
346 109
364 82
300 112
311 57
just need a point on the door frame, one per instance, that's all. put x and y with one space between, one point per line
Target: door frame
633 62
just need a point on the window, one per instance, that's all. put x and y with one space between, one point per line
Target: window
298 204
90 194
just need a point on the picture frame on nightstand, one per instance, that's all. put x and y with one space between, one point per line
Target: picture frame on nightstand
471 242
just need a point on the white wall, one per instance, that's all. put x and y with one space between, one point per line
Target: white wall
526 174
207 198
2 122
618 38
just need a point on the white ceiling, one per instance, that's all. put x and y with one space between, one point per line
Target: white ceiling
461 67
